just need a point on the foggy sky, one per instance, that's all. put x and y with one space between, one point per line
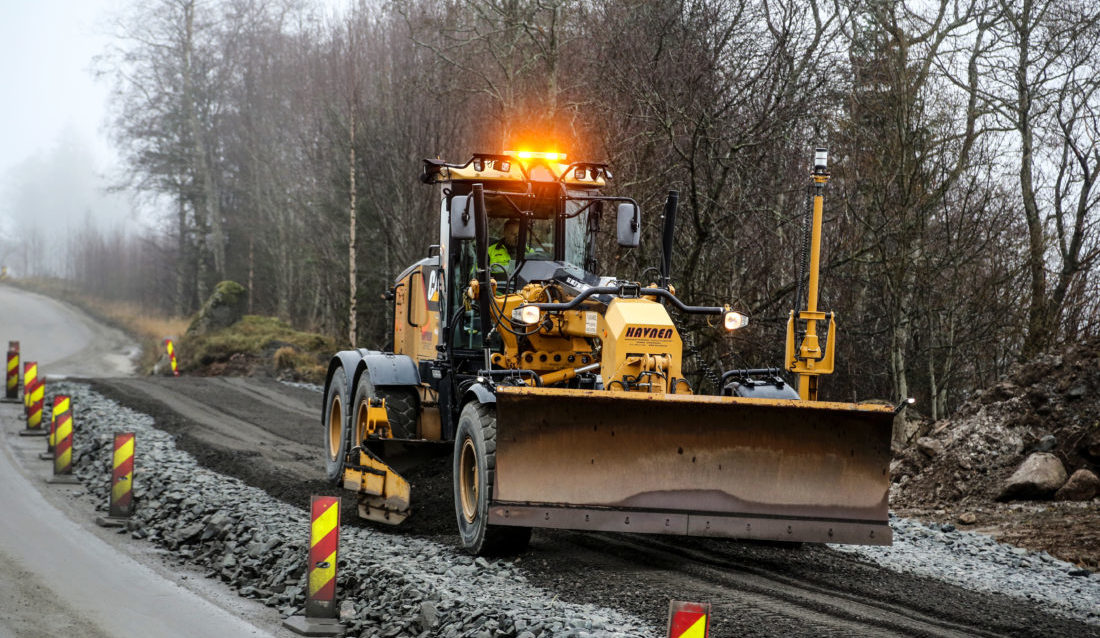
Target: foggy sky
53 146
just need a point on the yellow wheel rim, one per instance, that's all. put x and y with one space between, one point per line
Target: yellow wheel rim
467 480
335 420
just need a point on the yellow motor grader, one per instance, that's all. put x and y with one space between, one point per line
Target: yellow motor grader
562 394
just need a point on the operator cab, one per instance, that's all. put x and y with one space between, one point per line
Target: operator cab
542 219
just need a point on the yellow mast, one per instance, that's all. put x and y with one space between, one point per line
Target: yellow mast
810 362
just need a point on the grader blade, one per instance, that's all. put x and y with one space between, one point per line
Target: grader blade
769 469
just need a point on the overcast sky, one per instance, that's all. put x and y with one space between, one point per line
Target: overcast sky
46 50
55 156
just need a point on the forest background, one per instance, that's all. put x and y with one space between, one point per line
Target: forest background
962 221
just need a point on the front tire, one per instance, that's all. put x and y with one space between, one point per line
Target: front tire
336 427
474 472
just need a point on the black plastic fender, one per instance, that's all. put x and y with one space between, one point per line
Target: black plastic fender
481 393
386 369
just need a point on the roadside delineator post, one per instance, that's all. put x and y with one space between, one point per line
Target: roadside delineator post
11 391
324 542
172 356
60 406
63 450
122 482
30 373
37 393
688 620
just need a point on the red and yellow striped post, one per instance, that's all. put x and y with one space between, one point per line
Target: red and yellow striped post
37 393
63 450
30 373
11 392
172 356
122 482
60 406
688 620
324 543
122 477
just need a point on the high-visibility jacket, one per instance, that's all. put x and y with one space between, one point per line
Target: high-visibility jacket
498 254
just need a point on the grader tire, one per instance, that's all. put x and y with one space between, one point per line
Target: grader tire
401 406
336 426
474 468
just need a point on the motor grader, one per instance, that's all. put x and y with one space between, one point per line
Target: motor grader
561 393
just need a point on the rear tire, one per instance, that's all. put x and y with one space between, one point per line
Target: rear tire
401 408
474 472
336 426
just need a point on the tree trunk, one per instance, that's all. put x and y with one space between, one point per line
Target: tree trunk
353 271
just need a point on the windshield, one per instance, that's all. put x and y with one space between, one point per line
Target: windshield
509 214
576 234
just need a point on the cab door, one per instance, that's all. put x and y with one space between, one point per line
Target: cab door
417 298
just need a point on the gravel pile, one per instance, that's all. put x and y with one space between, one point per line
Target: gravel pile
977 562
390 586
1048 405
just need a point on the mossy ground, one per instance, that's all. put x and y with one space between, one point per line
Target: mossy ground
257 345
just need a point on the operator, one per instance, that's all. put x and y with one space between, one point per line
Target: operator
501 252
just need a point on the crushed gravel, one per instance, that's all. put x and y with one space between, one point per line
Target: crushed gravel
977 562
391 586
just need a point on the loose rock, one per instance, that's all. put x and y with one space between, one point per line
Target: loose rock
1039 477
1083 485
929 447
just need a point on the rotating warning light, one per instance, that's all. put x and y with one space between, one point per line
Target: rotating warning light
530 155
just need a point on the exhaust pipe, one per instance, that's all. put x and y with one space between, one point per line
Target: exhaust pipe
667 237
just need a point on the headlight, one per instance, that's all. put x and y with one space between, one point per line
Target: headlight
734 320
529 315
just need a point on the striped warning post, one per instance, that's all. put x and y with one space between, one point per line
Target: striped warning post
30 373
688 620
122 482
60 406
122 477
36 393
172 356
11 390
63 450
324 543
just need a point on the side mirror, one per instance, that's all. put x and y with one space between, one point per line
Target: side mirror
629 225
462 218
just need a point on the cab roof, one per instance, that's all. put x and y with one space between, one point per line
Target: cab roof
517 168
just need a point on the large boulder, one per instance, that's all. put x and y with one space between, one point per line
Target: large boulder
1082 486
224 308
1038 477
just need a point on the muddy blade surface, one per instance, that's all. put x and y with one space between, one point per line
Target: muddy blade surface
692 465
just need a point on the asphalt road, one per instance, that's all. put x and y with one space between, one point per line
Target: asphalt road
63 340
59 573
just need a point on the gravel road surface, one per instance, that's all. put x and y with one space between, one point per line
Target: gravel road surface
756 589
